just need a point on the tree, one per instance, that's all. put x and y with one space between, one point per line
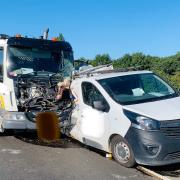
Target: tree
101 60
166 67
123 62
61 37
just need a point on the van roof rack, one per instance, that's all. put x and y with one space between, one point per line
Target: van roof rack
116 70
97 70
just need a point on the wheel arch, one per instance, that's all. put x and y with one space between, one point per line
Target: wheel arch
110 138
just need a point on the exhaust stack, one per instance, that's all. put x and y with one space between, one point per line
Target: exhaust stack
45 34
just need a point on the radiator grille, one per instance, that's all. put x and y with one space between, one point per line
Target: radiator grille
171 129
171 156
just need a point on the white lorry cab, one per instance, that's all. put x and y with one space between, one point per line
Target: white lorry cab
133 115
31 69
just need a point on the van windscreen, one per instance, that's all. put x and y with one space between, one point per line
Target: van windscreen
137 88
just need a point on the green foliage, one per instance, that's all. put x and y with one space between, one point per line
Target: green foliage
101 60
167 67
134 60
60 37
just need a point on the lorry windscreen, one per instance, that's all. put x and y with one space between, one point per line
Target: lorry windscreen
26 60
137 88
1 62
1 55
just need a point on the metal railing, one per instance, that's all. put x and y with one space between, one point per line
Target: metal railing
97 70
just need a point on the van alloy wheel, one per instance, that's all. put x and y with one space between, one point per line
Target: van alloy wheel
122 151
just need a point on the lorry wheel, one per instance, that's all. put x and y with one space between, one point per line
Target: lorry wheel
122 151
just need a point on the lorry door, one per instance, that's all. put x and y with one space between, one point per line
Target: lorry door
94 122
1 66
2 103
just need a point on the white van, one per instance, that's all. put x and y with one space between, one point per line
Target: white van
133 115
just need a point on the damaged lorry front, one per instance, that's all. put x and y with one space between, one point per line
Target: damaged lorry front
31 69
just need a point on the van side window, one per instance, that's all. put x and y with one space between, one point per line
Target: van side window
91 93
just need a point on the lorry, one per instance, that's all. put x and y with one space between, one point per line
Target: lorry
31 69
133 114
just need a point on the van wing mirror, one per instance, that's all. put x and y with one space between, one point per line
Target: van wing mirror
99 105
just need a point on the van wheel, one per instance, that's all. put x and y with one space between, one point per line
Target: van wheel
122 151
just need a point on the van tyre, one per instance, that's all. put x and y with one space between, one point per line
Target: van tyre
122 152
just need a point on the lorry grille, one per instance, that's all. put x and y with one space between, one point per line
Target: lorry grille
171 129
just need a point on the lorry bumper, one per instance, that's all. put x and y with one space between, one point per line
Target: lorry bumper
153 148
15 120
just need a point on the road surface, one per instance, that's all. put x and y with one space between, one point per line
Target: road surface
20 160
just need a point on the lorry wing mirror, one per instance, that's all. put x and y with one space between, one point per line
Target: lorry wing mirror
99 105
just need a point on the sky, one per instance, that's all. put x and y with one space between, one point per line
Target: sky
95 27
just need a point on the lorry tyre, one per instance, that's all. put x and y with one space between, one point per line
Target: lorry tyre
122 151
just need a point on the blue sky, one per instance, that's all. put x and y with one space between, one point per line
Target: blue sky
99 26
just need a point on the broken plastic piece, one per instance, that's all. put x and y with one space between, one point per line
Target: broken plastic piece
108 155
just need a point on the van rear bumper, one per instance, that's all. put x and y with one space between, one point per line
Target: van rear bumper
153 148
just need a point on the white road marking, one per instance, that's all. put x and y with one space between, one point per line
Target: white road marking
152 173
117 176
11 151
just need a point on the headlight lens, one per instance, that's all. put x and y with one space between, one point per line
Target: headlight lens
142 122
6 115
13 116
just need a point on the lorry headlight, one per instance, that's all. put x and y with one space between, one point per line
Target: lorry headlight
141 122
14 116
20 117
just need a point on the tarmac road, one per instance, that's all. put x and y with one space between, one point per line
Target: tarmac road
20 160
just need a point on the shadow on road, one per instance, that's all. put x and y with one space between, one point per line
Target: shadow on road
7 133
64 142
168 170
